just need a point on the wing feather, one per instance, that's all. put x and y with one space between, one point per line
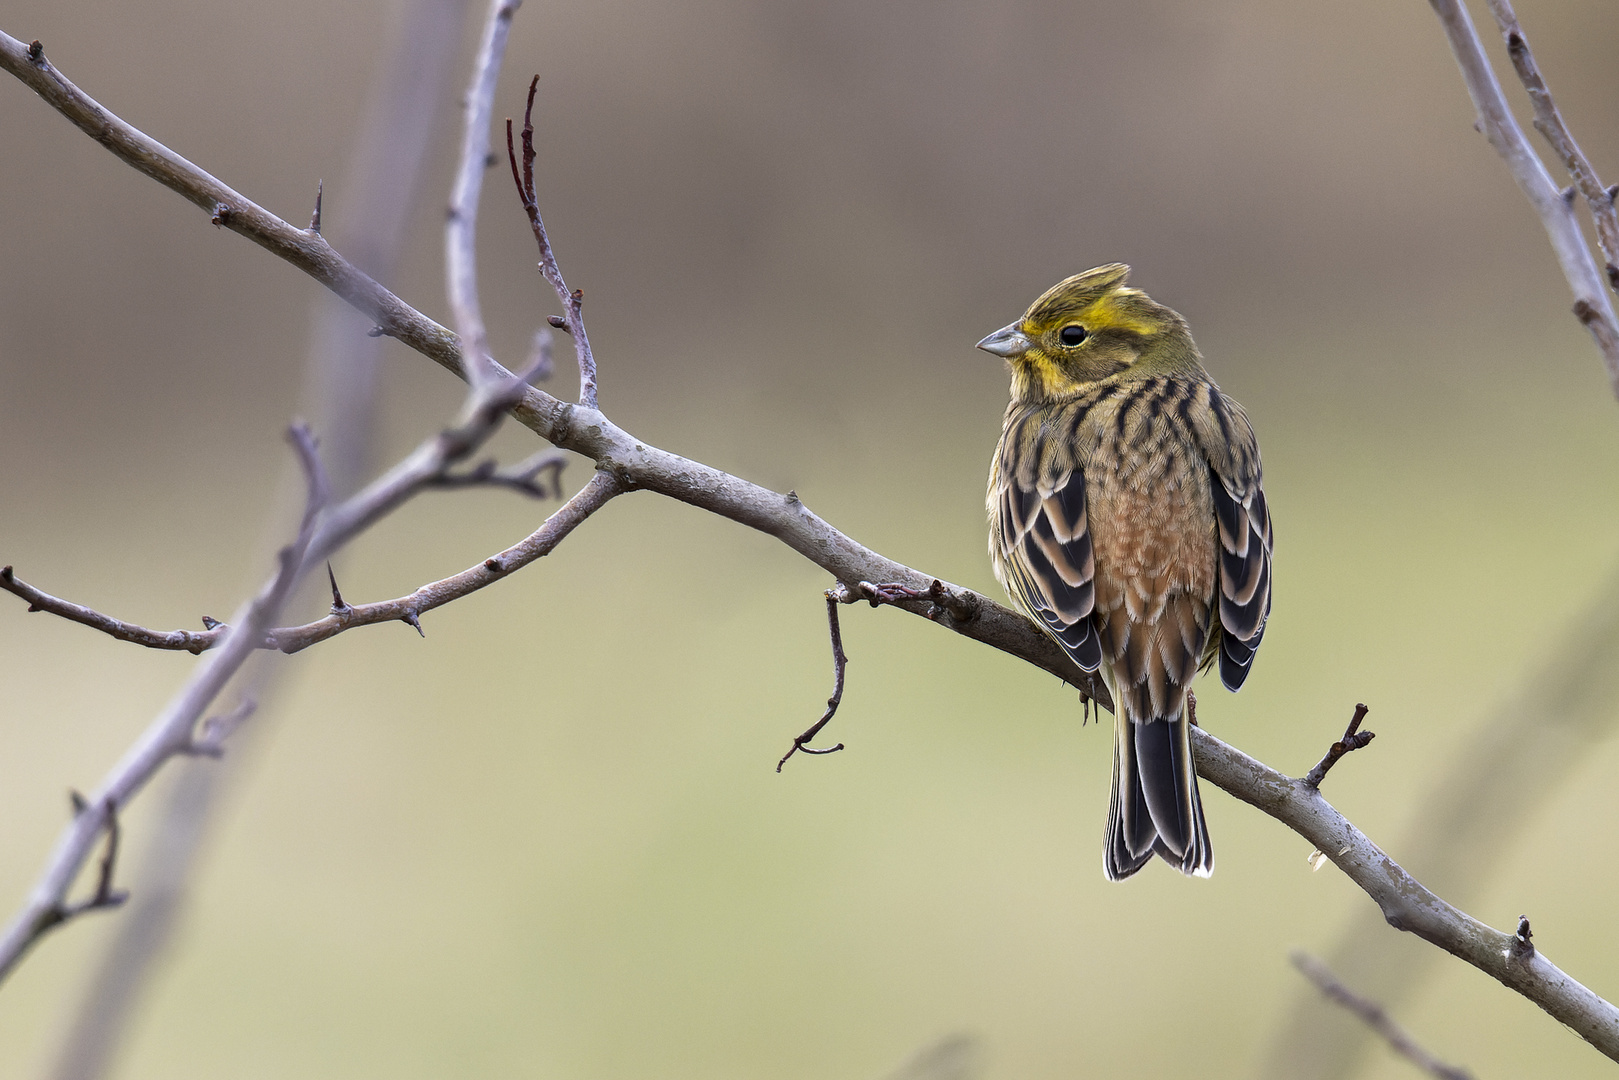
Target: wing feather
1051 566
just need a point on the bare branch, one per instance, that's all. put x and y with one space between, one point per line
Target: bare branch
1495 120
573 427
321 532
1405 902
194 641
461 227
409 609
840 664
572 301
1353 739
1549 122
1375 1018
169 734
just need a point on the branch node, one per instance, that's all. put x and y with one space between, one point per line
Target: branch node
211 623
79 803
1522 945
1354 739
377 331
222 214
36 52
1567 195
494 565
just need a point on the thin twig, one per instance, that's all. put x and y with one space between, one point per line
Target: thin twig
1376 1018
1549 122
1353 739
193 641
572 300
461 226
1591 302
840 664
409 608
523 477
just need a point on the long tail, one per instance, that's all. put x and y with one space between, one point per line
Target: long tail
1154 807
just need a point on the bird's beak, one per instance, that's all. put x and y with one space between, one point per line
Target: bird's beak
1008 341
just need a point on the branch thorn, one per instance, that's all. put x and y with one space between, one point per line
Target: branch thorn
338 606
314 219
411 618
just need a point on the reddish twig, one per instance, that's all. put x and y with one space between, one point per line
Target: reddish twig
572 300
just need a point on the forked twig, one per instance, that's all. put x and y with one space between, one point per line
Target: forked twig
1353 739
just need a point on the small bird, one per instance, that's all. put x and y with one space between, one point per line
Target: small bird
1125 510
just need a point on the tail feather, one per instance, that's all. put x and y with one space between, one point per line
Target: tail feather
1155 807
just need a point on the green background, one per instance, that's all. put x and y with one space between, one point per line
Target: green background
548 840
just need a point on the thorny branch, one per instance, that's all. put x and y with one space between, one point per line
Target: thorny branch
1406 904
1376 1018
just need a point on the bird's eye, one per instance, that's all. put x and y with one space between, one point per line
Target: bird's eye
1072 335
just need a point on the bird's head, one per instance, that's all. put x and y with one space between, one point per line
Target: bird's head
1088 328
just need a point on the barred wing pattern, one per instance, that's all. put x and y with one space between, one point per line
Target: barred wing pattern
1243 525
1049 565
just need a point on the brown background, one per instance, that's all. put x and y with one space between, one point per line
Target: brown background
547 841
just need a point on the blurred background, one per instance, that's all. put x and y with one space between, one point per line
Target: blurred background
548 840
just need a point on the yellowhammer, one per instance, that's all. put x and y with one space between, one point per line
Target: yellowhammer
1124 500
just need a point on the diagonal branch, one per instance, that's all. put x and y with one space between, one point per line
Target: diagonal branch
573 427
461 225
1376 1018
168 735
1549 122
1495 120
1405 902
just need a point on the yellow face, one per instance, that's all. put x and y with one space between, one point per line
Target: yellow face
1086 328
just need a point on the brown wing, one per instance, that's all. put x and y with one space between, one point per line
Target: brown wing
1046 542
1243 523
